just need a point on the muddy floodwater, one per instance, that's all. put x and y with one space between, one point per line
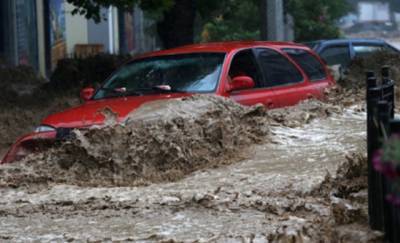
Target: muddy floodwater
269 196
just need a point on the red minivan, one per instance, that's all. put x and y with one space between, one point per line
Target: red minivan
275 74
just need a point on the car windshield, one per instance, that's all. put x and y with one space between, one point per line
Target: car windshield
193 73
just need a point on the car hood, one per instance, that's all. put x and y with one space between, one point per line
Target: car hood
92 112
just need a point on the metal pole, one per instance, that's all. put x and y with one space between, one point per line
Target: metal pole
375 195
275 20
384 109
389 87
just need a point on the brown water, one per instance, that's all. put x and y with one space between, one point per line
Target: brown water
160 141
266 197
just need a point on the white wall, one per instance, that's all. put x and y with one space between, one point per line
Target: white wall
76 29
374 11
79 30
98 33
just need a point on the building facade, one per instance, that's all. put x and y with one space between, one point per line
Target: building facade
18 32
41 32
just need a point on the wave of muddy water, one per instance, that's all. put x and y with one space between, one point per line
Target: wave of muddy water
160 141
270 196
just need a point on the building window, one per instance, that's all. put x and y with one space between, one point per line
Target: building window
58 45
18 32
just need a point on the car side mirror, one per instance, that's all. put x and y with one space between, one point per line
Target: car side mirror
87 93
241 82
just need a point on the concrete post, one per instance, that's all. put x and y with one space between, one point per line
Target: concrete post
275 20
41 38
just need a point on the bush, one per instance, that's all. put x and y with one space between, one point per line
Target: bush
75 73
11 77
22 86
25 101
26 98
316 19
17 82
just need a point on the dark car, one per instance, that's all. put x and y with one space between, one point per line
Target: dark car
342 51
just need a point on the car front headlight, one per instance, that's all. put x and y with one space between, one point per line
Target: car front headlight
44 128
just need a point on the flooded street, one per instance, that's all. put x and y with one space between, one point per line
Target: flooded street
272 195
199 121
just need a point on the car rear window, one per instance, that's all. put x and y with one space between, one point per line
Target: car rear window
335 55
311 65
361 50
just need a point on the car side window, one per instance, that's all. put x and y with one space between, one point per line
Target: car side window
244 63
361 50
336 55
311 65
278 70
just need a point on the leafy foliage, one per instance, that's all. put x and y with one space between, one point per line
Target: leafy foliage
237 20
91 8
227 19
315 19
75 73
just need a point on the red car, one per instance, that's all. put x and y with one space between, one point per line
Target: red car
276 74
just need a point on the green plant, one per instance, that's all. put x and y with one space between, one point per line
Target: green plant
238 20
387 162
316 19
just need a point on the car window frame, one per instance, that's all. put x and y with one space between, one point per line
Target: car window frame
316 57
257 67
290 60
385 46
138 59
392 48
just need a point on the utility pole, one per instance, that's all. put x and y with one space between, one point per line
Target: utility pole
272 20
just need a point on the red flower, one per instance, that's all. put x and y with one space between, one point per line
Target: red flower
388 168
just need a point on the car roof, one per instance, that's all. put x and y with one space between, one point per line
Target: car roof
223 47
346 40
323 43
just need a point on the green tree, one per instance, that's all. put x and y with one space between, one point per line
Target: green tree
223 19
241 20
237 20
316 19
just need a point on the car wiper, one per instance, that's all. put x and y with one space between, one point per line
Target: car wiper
122 91
167 89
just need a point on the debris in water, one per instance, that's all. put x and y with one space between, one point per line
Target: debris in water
303 113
